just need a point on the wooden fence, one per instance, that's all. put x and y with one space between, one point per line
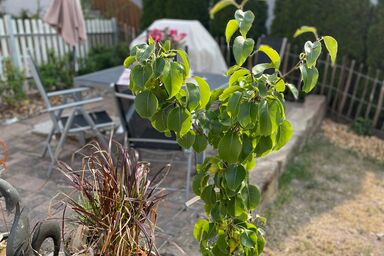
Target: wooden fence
350 92
19 35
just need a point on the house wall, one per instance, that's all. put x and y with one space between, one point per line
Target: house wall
14 7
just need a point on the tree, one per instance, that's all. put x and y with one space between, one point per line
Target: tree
375 40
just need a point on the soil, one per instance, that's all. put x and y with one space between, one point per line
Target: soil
330 203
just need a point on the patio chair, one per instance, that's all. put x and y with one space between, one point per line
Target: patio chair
140 133
77 122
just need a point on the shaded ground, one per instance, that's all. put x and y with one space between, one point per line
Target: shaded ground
330 203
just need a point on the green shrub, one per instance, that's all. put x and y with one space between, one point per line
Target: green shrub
363 126
174 9
57 73
218 24
347 21
103 57
11 88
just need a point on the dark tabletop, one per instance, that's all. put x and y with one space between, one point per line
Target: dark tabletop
105 79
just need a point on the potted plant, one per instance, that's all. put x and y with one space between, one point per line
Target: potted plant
243 121
116 207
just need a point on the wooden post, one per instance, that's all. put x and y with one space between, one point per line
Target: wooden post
372 97
359 108
346 88
286 58
356 86
325 74
379 106
341 79
331 84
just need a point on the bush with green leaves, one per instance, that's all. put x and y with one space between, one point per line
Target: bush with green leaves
363 126
58 72
12 86
335 17
175 9
242 121
102 57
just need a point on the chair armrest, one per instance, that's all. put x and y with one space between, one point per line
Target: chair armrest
68 91
125 96
73 104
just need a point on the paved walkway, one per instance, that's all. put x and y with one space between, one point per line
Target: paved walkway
27 171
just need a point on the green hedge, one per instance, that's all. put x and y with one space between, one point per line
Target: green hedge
347 21
175 9
375 42
259 8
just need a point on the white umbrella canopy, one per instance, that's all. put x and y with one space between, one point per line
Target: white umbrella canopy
66 16
204 52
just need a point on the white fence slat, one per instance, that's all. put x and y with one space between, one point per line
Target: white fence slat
23 43
28 32
53 36
36 41
3 41
43 41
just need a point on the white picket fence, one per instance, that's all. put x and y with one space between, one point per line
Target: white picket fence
17 36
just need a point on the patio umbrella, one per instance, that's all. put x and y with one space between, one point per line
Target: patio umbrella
66 16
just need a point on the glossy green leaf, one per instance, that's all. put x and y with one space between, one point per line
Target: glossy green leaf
200 144
234 175
244 20
242 48
293 90
265 118
251 196
232 69
159 120
260 243
309 77
225 94
236 75
201 227
179 120
184 58
129 61
144 55
236 206
187 140
284 134
209 195
332 47
264 146
231 28
140 76
234 104
312 51
193 96
220 5
205 91
260 68
159 65
248 239
146 104
230 147
199 182
305 29
272 54
173 79
280 86
245 115
247 148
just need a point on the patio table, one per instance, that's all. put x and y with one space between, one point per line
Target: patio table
107 78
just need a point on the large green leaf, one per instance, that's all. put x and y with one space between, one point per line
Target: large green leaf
140 76
236 206
248 239
280 85
205 91
309 77
247 148
332 47
225 94
187 140
312 51
173 79
251 196
293 90
220 5
305 29
231 28
234 175
234 104
264 146
146 54
230 147
236 75
184 58
284 134
242 48
129 61
209 195
159 65
272 54
179 120
245 115
265 121
193 96
146 104
200 144
201 228
159 120
199 182
260 68
244 20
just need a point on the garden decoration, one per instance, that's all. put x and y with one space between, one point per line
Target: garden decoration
243 121
117 207
19 242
